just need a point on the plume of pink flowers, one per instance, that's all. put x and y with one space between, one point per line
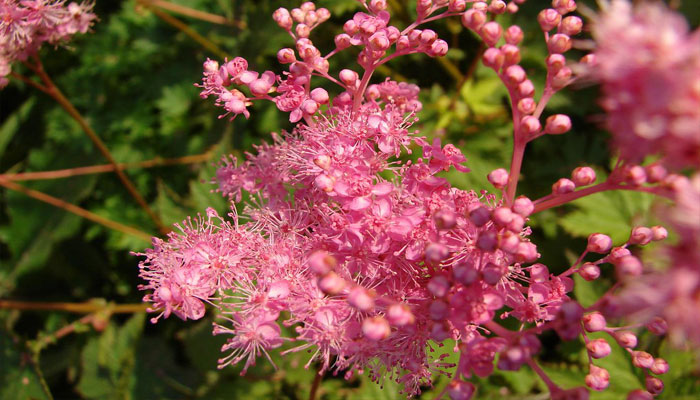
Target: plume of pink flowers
27 24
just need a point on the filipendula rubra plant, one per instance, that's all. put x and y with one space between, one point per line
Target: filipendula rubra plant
372 259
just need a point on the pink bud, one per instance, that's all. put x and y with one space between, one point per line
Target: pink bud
598 348
309 107
559 43
457 5
377 5
427 37
571 25
361 298
508 242
310 18
438 49
654 385
659 367
298 14
473 19
342 41
635 175
438 310
564 6
323 161
498 178
548 19
594 322
514 35
303 30
655 173
435 253
617 253
445 219
319 95
376 328
480 216
348 77
460 390
400 314
515 74
626 339
323 14
657 326
491 32
286 56
563 186
555 62
523 206
259 87
439 286
210 66
539 273
571 312
527 105
465 273
526 89
487 241
589 60
282 18
511 54
325 182
639 394
561 78
641 235
350 27
501 216
379 41
628 266
599 243
493 58
589 271
530 125
527 252
497 7
307 6
331 283
492 273
642 359
598 378
583 176
557 124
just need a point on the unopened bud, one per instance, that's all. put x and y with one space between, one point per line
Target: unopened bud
598 378
400 314
498 178
571 25
527 105
331 283
563 186
491 33
628 266
639 394
626 339
361 298
493 58
530 125
376 328
598 348
599 243
439 286
641 235
559 43
319 95
473 19
523 206
589 271
583 176
654 385
460 390
594 322
659 367
642 359
514 35
657 326
548 19
557 124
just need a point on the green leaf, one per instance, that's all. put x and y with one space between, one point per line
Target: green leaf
19 380
613 213
11 126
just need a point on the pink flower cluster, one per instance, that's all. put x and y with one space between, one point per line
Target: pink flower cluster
26 25
649 66
369 258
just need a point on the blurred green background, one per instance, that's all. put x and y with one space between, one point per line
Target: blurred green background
132 79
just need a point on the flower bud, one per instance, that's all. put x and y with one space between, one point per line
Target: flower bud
598 348
498 178
302 30
282 18
583 176
319 95
594 322
655 173
438 49
635 175
527 252
539 273
438 310
659 367
598 378
492 273
526 89
571 25
493 58
657 326
298 15
509 241
309 107
557 124
555 62
487 241
435 253
501 216
457 6
617 253
641 235
589 272
497 7
515 74
527 105
480 216
376 328
331 283
465 273
628 266
473 19
377 5
559 43
626 339
460 390
400 314
325 182
361 298
563 186
523 206
342 41
439 286
561 78
654 385
599 243
658 233
548 19
348 77
379 41
642 359
514 35
564 6
491 32
286 56
511 54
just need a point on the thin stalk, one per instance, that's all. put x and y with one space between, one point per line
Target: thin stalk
29 82
87 307
196 14
316 383
98 169
57 95
549 201
81 212
543 375
184 28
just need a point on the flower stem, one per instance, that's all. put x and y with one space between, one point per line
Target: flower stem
56 202
57 95
318 377
548 202
98 169
87 307
197 14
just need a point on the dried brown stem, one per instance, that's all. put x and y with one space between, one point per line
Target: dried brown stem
53 91
56 202
88 307
98 169
197 14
